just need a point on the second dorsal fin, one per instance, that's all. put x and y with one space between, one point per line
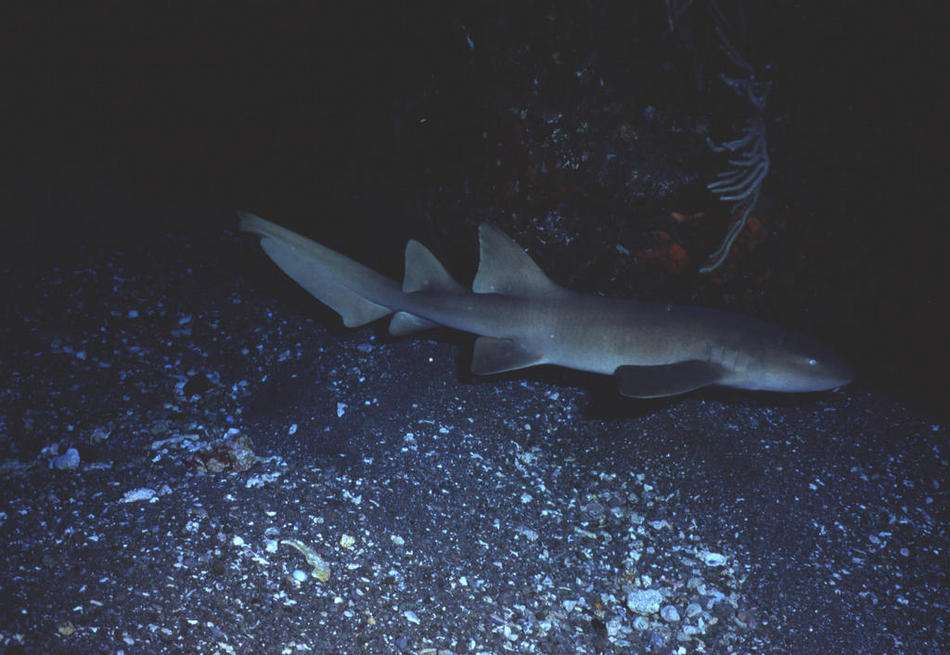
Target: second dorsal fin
425 273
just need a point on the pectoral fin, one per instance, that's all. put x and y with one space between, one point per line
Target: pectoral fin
667 379
500 355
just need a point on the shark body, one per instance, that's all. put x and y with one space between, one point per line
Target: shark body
524 319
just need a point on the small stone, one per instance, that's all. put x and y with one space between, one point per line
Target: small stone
669 614
67 461
135 495
300 576
644 601
232 453
99 435
593 509
411 617
613 627
691 631
693 609
714 559
528 533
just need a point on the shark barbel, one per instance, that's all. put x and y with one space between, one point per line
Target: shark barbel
524 319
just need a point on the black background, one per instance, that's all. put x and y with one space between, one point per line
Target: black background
309 114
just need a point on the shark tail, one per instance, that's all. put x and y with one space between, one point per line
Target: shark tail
358 294
355 292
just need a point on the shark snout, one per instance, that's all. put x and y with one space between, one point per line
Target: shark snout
822 371
841 371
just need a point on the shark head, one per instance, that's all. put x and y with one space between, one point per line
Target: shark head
790 362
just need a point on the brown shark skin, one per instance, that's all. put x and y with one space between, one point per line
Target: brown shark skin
524 319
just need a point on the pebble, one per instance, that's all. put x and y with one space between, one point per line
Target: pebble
690 631
613 627
593 509
714 559
138 494
644 601
669 614
67 461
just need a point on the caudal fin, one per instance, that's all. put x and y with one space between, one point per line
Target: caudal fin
358 294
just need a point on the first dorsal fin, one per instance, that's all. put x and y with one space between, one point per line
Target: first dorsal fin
504 268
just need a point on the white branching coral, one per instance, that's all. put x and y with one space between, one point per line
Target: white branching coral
748 155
